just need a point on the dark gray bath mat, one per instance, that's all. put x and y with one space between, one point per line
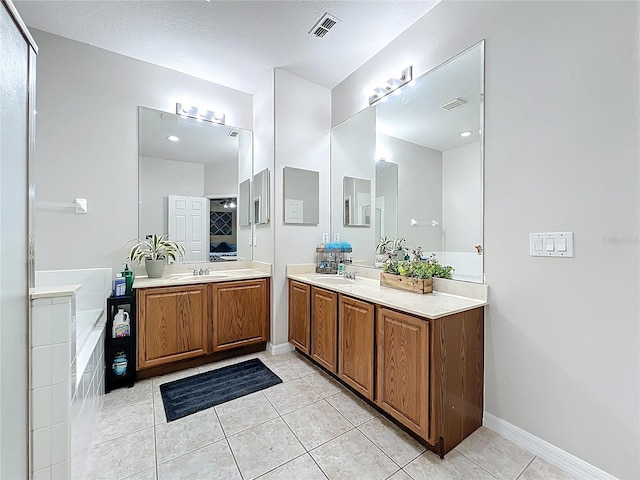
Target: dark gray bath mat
204 390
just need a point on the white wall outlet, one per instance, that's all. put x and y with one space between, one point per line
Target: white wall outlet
336 237
250 240
325 238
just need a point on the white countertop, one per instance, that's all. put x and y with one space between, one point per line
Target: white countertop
51 292
431 305
184 278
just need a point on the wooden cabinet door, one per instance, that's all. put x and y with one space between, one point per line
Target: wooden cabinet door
403 373
240 313
172 324
356 344
324 305
299 315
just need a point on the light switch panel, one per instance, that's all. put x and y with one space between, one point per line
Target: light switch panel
556 244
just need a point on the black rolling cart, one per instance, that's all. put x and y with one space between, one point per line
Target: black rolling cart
120 352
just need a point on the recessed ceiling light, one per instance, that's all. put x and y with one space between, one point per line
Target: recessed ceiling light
465 134
173 138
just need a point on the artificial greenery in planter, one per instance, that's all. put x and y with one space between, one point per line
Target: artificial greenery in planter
419 273
389 248
155 250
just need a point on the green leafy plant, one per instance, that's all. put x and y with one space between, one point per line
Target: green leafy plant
384 245
418 268
157 247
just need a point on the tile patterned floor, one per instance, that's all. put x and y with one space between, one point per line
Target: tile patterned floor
308 427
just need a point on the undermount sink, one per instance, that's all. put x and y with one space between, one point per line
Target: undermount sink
192 277
332 280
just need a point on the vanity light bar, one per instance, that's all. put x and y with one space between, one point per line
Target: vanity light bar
391 85
200 114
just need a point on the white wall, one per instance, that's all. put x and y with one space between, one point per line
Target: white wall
263 155
161 178
221 179
561 153
302 125
462 198
420 192
87 144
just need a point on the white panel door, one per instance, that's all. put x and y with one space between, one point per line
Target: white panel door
293 211
188 224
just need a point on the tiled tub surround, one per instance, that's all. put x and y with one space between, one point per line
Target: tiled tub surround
50 381
86 359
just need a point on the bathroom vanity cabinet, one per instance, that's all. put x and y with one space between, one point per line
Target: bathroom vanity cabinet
199 322
300 316
425 373
356 342
324 328
173 324
239 313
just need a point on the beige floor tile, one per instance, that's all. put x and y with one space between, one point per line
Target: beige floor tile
400 475
497 455
170 377
352 408
302 366
264 447
122 457
454 467
353 456
150 474
186 434
159 415
316 424
287 397
245 412
323 384
400 446
285 357
283 371
540 469
122 397
115 423
216 365
300 468
213 462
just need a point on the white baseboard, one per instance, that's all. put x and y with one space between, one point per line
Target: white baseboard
570 463
279 349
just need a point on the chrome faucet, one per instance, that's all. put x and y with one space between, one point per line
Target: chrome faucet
350 275
202 271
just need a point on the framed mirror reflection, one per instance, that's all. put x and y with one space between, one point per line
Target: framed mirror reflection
422 149
194 183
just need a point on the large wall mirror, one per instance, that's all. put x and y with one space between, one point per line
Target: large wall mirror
423 150
195 185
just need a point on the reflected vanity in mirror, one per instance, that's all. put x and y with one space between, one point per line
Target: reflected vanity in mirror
301 196
261 197
356 202
194 184
423 149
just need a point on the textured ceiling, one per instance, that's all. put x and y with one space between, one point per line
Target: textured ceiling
232 42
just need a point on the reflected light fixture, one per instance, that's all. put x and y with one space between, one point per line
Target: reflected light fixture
173 138
200 114
391 85
466 134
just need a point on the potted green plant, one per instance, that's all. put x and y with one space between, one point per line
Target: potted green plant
155 250
419 273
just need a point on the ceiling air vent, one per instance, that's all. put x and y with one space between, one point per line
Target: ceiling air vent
323 25
455 103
